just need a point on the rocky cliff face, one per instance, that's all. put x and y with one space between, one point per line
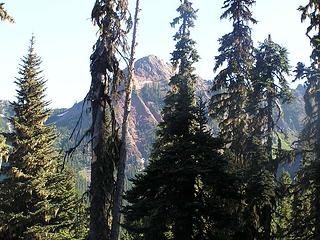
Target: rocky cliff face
151 70
151 84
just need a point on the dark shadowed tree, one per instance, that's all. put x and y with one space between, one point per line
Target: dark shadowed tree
111 16
229 102
269 89
178 196
310 138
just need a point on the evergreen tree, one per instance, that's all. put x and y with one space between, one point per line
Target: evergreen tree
171 156
283 215
302 225
233 82
4 16
177 195
229 105
269 88
309 177
215 188
259 192
36 200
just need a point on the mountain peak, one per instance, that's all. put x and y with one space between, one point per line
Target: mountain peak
151 69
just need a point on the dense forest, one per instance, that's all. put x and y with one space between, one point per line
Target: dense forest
155 152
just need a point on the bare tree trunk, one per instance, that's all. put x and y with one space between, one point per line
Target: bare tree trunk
116 213
102 164
97 193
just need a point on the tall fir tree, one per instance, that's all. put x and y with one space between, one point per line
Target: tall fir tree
302 225
282 216
229 102
172 152
310 138
233 82
170 199
36 200
269 89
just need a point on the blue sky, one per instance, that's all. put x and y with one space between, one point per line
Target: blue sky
65 36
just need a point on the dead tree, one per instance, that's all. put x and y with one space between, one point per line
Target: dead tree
116 214
109 16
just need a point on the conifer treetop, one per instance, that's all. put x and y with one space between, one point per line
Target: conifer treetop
180 100
185 53
31 112
311 11
238 11
232 82
236 47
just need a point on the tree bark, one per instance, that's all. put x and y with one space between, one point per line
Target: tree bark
116 213
102 166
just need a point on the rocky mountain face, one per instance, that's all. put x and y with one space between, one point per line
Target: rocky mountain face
151 70
151 84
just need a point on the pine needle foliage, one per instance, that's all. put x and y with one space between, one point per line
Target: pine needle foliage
36 200
180 194
310 138
233 80
269 89
282 216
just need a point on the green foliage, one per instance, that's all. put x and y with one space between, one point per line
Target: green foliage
37 200
282 216
232 83
310 137
302 225
180 195
269 88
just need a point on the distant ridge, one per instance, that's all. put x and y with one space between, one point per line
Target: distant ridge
151 79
